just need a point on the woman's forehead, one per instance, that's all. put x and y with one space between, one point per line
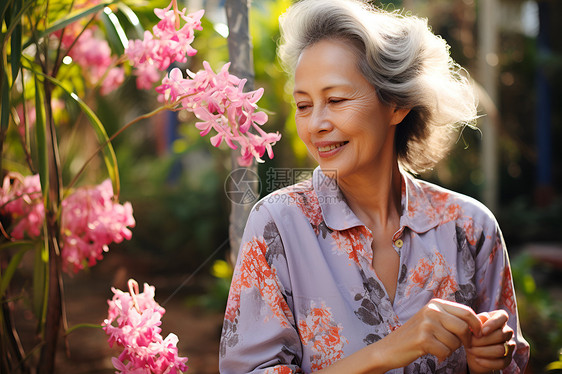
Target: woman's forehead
326 64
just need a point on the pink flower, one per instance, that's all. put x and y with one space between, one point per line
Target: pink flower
93 55
112 80
173 86
21 199
133 323
147 74
167 43
91 220
91 52
219 102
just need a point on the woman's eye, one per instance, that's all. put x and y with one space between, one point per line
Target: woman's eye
302 106
335 100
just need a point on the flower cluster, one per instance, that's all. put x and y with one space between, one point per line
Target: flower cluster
167 43
21 200
90 221
91 53
137 318
219 102
94 56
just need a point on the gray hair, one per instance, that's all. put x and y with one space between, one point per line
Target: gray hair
408 65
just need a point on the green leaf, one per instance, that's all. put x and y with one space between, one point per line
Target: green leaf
133 19
10 270
11 26
5 115
15 41
82 325
557 365
71 18
41 136
5 12
15 244
40 283
108 153
105 144
114 31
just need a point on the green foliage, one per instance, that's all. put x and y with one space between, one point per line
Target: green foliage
264 28
35 79
540 314
556 366
523 222
216 291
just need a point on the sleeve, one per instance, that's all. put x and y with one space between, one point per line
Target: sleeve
494 285
259 333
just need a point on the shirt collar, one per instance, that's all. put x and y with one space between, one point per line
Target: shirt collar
417 211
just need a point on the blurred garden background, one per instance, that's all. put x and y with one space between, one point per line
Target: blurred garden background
175 180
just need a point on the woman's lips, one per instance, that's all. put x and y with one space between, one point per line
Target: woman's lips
329 149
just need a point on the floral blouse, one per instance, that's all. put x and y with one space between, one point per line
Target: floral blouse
305 294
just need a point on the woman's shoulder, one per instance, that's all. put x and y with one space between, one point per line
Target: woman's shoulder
454 205
289 198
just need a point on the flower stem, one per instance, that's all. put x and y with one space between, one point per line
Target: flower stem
79 326
176 12
134 291
110 139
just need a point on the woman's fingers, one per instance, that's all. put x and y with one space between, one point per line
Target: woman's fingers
494 351
457 329
444 339
496 319
494 357
483 317
462 312
446 324
497 336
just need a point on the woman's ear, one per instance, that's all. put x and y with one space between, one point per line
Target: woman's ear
398 114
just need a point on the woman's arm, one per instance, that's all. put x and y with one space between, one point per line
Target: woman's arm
259 333
496 301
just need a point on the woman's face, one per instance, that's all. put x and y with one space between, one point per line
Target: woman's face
339 116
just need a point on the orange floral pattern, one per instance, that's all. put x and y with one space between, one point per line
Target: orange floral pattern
507 298
319 331
279 370
352 243
254 272
433 274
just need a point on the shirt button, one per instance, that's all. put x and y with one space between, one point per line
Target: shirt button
398 243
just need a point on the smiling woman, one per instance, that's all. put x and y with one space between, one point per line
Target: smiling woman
339 117
363 268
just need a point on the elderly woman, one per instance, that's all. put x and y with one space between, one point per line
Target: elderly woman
363 268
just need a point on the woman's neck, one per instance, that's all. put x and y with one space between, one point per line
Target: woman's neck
375 196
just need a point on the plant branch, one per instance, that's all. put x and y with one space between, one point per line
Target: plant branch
59 47
111 138
12 333
59 63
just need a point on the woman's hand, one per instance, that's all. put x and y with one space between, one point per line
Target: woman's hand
439 328
494 349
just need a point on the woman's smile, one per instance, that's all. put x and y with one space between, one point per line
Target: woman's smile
326 149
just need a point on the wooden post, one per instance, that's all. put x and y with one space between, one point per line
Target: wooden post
242 65
488 75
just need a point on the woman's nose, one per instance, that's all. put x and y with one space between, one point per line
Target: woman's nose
320 120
